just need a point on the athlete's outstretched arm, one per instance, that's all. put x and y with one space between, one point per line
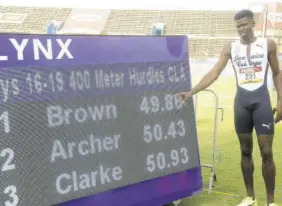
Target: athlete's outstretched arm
274 64
214 73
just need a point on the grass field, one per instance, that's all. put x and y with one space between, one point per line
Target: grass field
229 188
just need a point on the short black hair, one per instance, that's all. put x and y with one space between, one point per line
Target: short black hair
244 13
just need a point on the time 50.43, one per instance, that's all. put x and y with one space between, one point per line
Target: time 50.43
161 161
176 129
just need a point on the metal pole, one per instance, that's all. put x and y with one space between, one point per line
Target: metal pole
212 166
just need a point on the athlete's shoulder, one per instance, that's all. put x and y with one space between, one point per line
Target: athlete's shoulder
271 45
233 46
228 45
227 48
270 41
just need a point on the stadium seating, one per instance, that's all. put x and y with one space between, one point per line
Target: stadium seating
207 30
36 21
139 21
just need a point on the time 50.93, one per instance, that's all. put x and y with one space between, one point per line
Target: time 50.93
57 82
161 161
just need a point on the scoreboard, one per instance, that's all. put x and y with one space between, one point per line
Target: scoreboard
92 120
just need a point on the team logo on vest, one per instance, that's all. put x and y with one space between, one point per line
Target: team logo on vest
259 45
255 60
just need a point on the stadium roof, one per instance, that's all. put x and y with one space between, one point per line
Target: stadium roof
141 4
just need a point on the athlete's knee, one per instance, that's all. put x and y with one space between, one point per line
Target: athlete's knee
246 145
265 144
246 151
267 154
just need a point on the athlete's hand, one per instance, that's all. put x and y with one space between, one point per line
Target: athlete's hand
184 96
278 111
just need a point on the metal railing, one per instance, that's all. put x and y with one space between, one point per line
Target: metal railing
214 149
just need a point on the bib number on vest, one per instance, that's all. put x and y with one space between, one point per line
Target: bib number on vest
250 76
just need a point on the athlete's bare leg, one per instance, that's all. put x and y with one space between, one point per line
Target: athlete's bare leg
268 165
247 164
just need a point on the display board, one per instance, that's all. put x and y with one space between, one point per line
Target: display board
95 117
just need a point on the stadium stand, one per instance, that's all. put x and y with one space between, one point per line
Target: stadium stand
200 25
207 30
36 19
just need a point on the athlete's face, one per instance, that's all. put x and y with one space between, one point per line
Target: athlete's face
245 27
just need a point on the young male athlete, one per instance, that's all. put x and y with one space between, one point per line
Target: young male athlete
250 57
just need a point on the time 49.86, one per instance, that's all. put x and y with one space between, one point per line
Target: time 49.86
154 104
